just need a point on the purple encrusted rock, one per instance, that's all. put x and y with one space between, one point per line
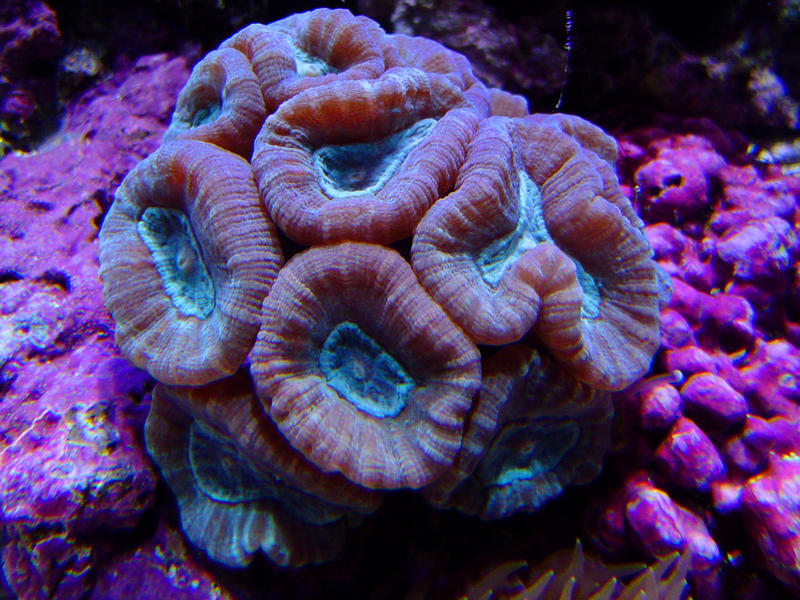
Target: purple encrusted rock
660 526
764 436
772 377
29 39
660 406
673 187
28 32
747 195
729 323
706 556
606 522
159 568
712 402
691 360
761 249
76 469
653 518
687 458
688 360
680 256
676 332
73 469
735 282
726 494
771 510
687 301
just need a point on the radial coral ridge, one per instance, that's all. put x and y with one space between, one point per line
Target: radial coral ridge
534 430
221 103
311 49
362 160
361 370
553 252
229 504
187 257
372 367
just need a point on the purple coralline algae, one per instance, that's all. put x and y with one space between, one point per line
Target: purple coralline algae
704 449
72 468
771 511
159 568
711 435
29 36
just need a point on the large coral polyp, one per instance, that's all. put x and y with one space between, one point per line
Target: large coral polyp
372 367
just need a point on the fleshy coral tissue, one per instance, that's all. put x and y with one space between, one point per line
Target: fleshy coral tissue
466 285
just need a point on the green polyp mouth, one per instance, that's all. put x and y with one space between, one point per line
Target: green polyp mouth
525 451
205 114
308 65
363 373
220 471
168 235
530 231
224 474
348 170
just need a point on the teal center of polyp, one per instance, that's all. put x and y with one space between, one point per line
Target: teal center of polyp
223 474
530 231
525 451
308 65
205 114
176 256
220 471
363 373
364 168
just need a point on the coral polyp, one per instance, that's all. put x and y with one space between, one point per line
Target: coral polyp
464 282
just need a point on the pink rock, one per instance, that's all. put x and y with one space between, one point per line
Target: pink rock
654 519
744 457
765 436
712 402
660 407
672 187
29 40
706 556
760 250
726 494
687 301
746 196
750 450
606 522
73 473
771 510
680 256
772 376
687 458
28 32
728 322
159 568
688 361
675 330
72 465
47 564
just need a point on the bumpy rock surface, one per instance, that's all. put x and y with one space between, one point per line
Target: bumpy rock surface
713 429
72 467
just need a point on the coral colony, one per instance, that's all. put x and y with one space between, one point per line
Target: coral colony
469 283
352 269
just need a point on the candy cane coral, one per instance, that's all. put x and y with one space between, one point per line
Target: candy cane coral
427 220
